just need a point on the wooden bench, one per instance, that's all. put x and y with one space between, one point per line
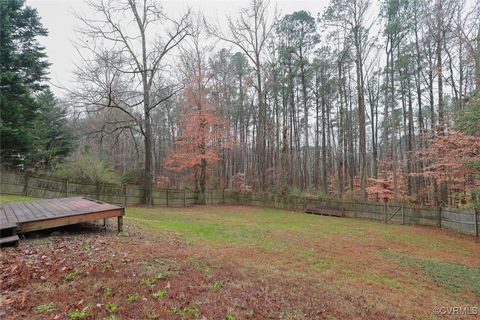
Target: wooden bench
325 209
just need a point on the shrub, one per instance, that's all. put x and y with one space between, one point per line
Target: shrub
86 168
132 177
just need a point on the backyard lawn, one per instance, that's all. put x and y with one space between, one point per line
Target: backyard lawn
235 262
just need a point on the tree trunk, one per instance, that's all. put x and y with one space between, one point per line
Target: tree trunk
394 127
361 116
261 143
316 170
203 180
148 179
306 174
324 143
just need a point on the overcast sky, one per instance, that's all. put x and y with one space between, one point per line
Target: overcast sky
58 17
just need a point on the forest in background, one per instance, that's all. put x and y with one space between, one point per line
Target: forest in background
377 100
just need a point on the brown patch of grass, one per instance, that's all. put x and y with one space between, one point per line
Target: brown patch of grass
293 267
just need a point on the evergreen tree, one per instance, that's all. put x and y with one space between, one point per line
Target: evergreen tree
54 139
23 69
32 125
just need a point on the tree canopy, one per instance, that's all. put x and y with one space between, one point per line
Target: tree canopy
32 127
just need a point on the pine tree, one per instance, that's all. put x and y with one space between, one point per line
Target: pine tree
54 138
23 69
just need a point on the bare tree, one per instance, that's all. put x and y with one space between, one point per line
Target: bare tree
130 40
250 32
424 71
352 15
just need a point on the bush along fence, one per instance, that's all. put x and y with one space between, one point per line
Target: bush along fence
465 221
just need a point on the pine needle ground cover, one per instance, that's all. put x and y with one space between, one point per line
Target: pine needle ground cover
233 262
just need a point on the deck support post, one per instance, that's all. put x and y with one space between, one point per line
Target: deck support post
120 223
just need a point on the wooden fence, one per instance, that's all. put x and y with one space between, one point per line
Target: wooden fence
460 220
122 194
466 221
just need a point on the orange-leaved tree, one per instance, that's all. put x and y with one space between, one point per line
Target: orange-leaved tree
202 135
453 158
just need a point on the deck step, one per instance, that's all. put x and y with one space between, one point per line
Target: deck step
7 229
7 225
10 240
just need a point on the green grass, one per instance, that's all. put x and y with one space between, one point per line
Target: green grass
375 278
273 229
133 297
313 244
160 294
43 308
72 275
111 307
340 255
454 277
262 227
11 198
107 292
77 314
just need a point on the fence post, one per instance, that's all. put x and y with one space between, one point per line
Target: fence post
25 185
440 217
166 192
97 190
184 197
66 187
223 195
386 212
124 187
403 213
475 220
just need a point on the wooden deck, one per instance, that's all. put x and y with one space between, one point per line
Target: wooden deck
19 217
